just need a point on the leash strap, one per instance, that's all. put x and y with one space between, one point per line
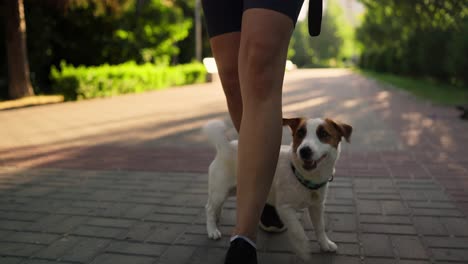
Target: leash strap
315 17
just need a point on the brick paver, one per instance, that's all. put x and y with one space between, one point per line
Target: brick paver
123 180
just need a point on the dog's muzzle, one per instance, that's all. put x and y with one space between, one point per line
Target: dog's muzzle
312 164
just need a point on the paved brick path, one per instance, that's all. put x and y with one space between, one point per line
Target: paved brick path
123 180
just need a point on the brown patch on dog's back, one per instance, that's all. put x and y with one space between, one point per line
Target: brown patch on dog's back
298 128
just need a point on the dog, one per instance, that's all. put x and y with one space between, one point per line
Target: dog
303 173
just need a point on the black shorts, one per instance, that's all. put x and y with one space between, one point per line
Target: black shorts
224 16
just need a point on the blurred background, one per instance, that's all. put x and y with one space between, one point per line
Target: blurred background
81 49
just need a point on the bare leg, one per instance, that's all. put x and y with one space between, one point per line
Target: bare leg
225 49
264 42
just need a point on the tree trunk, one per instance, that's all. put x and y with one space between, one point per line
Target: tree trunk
19 83
198 31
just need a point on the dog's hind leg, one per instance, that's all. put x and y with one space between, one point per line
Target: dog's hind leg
213 211
316 213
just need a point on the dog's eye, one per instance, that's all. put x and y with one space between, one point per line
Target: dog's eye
322 133
301 132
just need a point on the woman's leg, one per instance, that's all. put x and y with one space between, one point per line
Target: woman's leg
224 21
225 50
264 43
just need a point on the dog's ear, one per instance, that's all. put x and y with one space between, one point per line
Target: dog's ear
293 123
345 130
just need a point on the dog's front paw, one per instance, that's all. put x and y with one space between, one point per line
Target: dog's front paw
327 245
214 233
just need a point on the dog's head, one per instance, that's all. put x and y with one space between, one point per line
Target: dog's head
316 139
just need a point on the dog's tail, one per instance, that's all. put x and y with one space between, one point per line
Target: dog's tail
215 131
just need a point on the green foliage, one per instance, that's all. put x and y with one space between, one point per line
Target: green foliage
422 38
300 51
149 34
334 45
187 45
108 80
436 92
144 31
94 32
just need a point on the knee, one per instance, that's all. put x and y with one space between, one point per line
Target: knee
264 50
261 67
259 56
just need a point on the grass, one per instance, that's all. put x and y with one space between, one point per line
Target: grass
437 93
31 101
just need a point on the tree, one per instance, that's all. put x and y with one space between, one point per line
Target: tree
418 38
301 52
19 84
334 44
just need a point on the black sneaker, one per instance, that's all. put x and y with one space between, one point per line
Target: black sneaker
241 252
270 220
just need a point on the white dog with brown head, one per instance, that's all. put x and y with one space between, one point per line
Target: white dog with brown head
301 179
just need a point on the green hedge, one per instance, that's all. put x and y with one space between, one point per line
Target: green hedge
76 83
424 39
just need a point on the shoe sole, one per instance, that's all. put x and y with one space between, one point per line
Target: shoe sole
272 229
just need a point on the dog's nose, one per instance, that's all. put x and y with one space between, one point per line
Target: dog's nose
306 153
